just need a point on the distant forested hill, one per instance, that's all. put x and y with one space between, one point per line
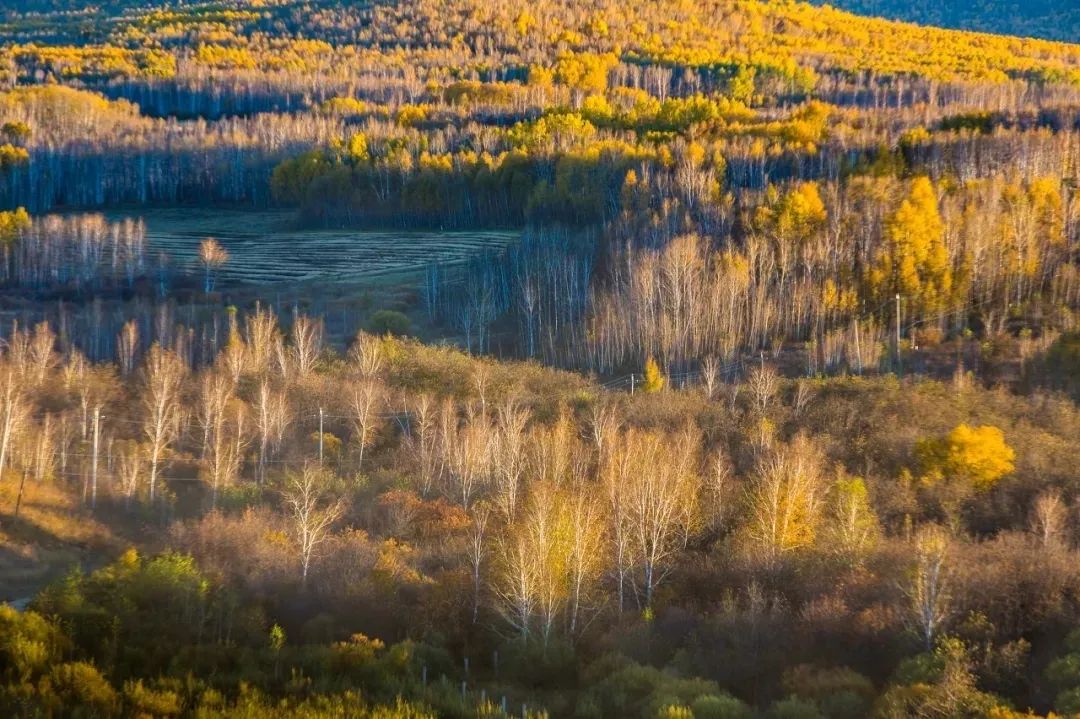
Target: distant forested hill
1053 19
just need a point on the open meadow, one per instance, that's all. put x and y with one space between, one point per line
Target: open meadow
265 248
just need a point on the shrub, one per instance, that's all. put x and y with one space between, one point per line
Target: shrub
79 688
794 708
392 322
719 706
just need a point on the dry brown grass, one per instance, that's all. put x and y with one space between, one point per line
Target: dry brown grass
52 533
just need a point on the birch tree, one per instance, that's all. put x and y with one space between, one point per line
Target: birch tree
14 409
509 460
926 588
1050 519
223 441
212 257
162 381
479 526
365 413
312 513
271 418
366 354
306 345
784 500
656 500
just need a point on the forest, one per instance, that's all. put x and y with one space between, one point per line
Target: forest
454 358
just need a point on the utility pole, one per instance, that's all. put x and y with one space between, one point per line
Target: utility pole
899 369
94 466
19 496
858 349
320 435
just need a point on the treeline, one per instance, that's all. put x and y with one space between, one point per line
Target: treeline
471 153
820 264
78 252
80 150
315 37
560 167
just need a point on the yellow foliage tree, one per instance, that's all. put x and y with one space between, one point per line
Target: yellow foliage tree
914 261
796 216
654 379
13 224
12 156
853 527
977 454
784 501
358 148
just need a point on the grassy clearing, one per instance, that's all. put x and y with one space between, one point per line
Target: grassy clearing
52 533
265 250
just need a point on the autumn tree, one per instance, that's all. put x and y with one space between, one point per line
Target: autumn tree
307 344
423 443
793 217
130 465
510 459
367 354
516 586
262 342
1050 519
942 684
212 257
42 449
12 226
222 419
978 455
785 498
548 562
478 551
469 449
162 382
655 499
311 512
14 408
272 412
914 261
98 387
852 525
127 345
585 552
926 587
653 379
366 407
764 383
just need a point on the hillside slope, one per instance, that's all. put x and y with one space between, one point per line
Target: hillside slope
1049 19
791 40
